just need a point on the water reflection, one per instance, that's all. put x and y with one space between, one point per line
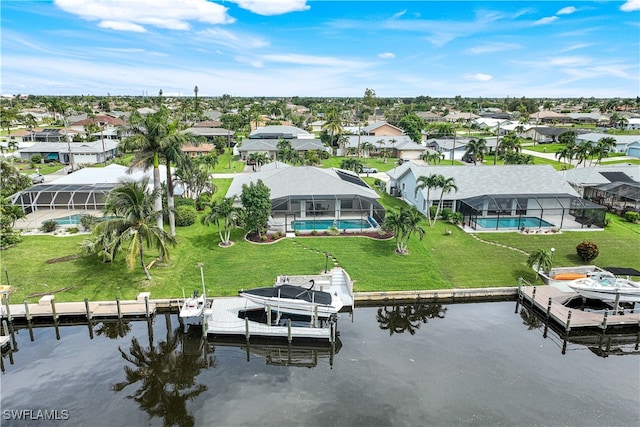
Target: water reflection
113 330
285 354
398 319
530 318
165 374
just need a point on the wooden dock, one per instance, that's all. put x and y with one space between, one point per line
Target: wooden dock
550 301
222 320
47 309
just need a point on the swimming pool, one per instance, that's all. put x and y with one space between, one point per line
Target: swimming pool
325 224
525 221
75 219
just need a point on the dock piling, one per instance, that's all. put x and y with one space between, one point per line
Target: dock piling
246 328
568 327
118 307
53 309
289 337
146 306
5 300
533 296
26 311
616 304
605 318
86 306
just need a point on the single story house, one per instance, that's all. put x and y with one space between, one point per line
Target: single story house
615 186
88 153
544 134
83 190
398 146
454 148
492 197
310 193
265 140
211 133
382 129
628 144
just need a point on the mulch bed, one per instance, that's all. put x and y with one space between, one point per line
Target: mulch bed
270 238
63 259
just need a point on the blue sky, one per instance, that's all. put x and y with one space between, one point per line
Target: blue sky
321 48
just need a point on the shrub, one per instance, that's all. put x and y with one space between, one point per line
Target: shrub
314 232
203 200
183 201
433 210
88 221
632 216
446 213
49 226
186 215
36 158
587 251
456 218
264 238
72 230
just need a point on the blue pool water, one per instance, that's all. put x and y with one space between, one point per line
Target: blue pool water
527 222
75 219
325 224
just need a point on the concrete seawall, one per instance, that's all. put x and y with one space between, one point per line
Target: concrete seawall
440 295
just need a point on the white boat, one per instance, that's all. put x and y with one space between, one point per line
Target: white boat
560 277
294 299
193 306
606 287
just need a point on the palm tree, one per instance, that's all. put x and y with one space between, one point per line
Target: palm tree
352 164
541 260
446 185
171 151
148 139
428 182
403 223
224 215
604 147
134 214
431 158
259 158
333 124
565 153
476 149
582 152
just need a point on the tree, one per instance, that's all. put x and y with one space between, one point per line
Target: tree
256 204
541 260
259 159
333 124
428 182
604 147
565 153
431 158
147 141
412 126
403 223
446 185
224 215
476 149
171 151
352 164
582 152
134 215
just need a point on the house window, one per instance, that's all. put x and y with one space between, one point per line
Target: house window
346 204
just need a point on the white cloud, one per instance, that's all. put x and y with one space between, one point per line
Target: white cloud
630 6
272 7
230 39
386 55
325 61
575 47
572 61
478 77
567 10
399 14
134 15
544 21
122 26
492 47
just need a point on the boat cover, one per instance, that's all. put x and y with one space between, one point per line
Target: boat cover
623 271
292 292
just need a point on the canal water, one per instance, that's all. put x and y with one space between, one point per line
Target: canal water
474 364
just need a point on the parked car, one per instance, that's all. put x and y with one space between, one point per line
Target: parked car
37 178
367 169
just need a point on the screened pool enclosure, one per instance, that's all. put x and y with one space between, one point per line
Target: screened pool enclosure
542 211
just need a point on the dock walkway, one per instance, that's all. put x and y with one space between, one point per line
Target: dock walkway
550 300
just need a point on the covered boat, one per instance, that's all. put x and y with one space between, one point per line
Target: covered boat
606 287
295 300
193 306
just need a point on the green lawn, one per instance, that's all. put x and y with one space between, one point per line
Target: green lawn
439 261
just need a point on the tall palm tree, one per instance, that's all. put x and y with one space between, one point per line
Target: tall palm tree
446 185
403 223
582 152
148 139
333 124
134 215
171 151
224 215
604 147
476 149
565 153
428 182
